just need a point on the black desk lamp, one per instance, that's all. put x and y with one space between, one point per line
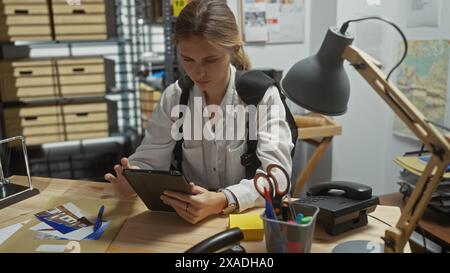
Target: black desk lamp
320 84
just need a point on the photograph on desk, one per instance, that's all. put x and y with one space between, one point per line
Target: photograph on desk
68 222
90 224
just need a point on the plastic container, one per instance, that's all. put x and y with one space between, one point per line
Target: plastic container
286 237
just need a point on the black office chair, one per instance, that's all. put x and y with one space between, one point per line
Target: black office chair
229 238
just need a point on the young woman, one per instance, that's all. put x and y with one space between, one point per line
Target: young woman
210 49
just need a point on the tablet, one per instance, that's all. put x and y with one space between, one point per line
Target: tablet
150 185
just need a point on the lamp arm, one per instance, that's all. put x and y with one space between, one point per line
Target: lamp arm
396 238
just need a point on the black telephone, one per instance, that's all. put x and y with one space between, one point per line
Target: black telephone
343 205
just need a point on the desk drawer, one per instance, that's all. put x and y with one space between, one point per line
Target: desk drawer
24 80
85 108
30 20
94 20
37 120
61 7
24 112
82 79
81 69
37 140
25 71
20 20
29 93
87 135
56 129
51 91
25 1
23 33
27 30
5 65
24 8
70 19
93 70
83 89
18 120
67 30
43 124
14 83
85 117
87 127
24 20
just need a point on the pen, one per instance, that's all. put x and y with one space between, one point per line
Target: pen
98 222
269 209
267 195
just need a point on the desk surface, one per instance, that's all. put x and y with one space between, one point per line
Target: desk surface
147 231
436 226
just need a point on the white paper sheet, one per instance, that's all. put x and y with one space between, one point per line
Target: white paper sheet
76 235
7 232
51 248
423 13
255 26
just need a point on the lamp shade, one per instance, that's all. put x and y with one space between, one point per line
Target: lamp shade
319 83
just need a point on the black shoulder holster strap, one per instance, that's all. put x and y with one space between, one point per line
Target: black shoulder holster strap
185 84
251 87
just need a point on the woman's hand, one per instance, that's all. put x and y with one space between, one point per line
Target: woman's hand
119 181
196 207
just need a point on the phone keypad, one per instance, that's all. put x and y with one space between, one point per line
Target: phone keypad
313 199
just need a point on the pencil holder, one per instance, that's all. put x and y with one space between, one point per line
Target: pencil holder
287 237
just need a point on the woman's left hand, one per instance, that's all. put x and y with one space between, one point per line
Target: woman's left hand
196 207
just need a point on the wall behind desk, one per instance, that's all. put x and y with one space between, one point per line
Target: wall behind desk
365 151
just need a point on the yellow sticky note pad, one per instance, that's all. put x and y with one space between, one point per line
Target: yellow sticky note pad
250 224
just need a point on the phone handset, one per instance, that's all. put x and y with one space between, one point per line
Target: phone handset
219 241
352 190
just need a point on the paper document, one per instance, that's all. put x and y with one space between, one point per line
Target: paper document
423 13
78 215
7 232
255 26
67 222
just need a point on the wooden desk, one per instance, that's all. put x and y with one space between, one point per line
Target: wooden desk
435 226
147 231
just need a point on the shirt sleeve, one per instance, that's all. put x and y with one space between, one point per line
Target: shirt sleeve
274 147
156 150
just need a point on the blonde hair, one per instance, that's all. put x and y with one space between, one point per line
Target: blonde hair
214 21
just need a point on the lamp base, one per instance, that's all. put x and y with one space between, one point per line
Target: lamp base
359 247
7 190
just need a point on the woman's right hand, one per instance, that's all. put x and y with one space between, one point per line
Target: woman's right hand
119 181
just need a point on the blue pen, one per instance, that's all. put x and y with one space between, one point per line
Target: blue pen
98 222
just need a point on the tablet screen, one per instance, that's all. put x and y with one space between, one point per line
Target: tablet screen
150 185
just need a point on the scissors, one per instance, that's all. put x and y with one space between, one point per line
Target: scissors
276 190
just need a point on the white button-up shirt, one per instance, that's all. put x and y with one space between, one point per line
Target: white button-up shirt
215 164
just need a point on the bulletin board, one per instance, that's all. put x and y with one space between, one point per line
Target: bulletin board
273 21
